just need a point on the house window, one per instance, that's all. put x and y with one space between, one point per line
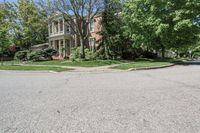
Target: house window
51 44
50 29
61 26
68 29
92 26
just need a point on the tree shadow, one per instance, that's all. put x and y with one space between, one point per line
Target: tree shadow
187 63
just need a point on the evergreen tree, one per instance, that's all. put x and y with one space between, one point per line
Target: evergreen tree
111 27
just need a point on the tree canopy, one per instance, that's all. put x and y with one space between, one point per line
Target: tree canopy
29 23
162 24
78 14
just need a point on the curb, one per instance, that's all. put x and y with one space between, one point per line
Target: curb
150 68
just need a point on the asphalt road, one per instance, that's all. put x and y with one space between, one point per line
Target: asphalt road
152 101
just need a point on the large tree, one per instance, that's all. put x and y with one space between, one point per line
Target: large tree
29 23
78 14
4 28
162 24
111 27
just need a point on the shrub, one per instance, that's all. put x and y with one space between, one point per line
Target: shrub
21 55
36 55
50 52
196 55
149 54
75 54
89 55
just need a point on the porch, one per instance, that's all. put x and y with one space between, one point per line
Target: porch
63 46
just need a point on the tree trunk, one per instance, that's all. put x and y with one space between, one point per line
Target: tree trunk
106 50
2 59
163 52
82 52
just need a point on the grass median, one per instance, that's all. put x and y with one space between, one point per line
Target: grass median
146 64
66 63
32 68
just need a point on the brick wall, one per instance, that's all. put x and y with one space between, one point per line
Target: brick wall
97 29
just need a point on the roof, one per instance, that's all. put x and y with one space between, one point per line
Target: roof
40 45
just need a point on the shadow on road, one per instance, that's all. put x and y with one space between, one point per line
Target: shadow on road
196 62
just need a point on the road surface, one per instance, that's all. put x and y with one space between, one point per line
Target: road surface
150 101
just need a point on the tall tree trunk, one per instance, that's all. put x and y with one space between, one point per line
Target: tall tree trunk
163 52
82 52
106 50
2 59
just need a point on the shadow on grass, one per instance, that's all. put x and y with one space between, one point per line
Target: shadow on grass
184 62
170 60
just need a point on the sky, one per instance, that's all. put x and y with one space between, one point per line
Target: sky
8 0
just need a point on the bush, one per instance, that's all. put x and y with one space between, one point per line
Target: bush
75 54
36 55
149 54
22 55
196 55
50 52
89 55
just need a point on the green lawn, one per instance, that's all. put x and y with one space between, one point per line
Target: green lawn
56 65
145 63
33 68
95 63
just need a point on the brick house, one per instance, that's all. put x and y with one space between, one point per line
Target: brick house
62 38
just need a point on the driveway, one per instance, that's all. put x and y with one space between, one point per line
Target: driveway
152 101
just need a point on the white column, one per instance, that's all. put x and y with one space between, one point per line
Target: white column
54 47
52 28
64 47
60 48
63 26
59 26
49 26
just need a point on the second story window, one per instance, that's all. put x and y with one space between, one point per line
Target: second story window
50 28
68 29
56 27
92 26
61 26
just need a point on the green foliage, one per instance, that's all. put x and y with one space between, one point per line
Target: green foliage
22 55
89 55
111 32
4 29
29 23
36 55
75 54
196 52
162 24
50 52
